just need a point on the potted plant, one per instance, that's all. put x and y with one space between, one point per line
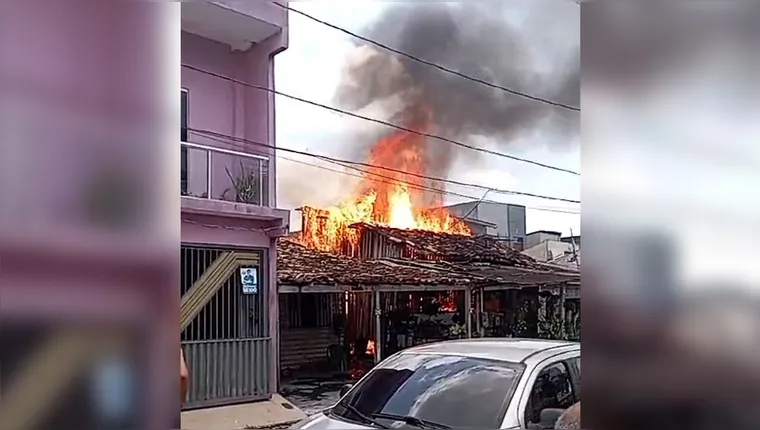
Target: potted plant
246 185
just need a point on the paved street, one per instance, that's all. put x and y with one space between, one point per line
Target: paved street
313 394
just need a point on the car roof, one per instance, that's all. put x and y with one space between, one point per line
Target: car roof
512 350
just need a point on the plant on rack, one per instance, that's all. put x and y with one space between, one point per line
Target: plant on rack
573 327
519 328
552 326
245 186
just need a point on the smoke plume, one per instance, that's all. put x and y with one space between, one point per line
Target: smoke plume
475 39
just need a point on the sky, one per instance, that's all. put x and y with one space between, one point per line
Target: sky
311 68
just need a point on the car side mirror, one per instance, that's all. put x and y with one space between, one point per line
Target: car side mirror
549 417
345 389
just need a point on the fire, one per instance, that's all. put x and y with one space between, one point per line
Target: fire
447 302
370 347
384 198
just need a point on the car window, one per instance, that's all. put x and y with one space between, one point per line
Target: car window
551 389
458 392
576 363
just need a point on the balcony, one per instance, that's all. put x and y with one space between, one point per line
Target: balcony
223 175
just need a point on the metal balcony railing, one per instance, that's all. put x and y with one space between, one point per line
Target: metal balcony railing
222 174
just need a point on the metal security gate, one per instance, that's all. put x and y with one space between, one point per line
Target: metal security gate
225 330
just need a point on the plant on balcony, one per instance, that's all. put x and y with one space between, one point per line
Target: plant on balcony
245 186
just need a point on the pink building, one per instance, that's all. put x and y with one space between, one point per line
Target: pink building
230 219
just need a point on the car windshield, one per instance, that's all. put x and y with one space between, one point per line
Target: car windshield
450 391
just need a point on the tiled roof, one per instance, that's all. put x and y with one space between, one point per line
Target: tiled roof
453 247
298 265
451 260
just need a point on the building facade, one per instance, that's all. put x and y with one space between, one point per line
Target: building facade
540 236
230 219
550 247
508 219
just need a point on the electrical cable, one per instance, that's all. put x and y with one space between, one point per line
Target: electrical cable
430 64
419 187
211 134
378 121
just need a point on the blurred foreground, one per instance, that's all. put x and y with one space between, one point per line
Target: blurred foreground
89 232
670 297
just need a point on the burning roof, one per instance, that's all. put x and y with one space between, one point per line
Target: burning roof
429 245
299 265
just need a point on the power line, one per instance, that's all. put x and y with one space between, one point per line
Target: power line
416 186
378 121
211 134
431 64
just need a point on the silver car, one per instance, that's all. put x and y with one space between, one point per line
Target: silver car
468 384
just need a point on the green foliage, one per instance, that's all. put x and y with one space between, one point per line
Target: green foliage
520 328
551 324
246 186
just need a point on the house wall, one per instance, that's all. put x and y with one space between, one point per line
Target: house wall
548 250
306 330
509 219
229 108
477 228
537 237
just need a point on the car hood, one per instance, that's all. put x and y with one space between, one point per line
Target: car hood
322 421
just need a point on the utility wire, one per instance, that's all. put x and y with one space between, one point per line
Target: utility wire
378 121
415 186
428 63
207 133
475 206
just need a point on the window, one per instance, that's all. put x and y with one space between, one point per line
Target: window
553 389
183 138
183 115
458 392
575 365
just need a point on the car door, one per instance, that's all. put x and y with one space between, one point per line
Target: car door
551 386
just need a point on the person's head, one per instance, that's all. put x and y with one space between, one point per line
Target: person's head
571 418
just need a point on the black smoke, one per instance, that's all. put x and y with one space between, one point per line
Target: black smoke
476 39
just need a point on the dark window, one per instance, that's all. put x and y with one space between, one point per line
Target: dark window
309 310
575 364
459 392
552 389
183 115
183 138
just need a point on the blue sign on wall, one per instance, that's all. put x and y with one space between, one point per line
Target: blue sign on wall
249 277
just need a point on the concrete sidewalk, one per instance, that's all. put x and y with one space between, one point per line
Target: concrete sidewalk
275 412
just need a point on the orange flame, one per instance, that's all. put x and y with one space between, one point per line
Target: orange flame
384 198
447 302
370 347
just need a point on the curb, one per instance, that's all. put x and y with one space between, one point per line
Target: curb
282 425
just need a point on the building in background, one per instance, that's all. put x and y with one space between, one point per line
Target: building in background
551 247
479 227
230 220
540 236
508 220
572 239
